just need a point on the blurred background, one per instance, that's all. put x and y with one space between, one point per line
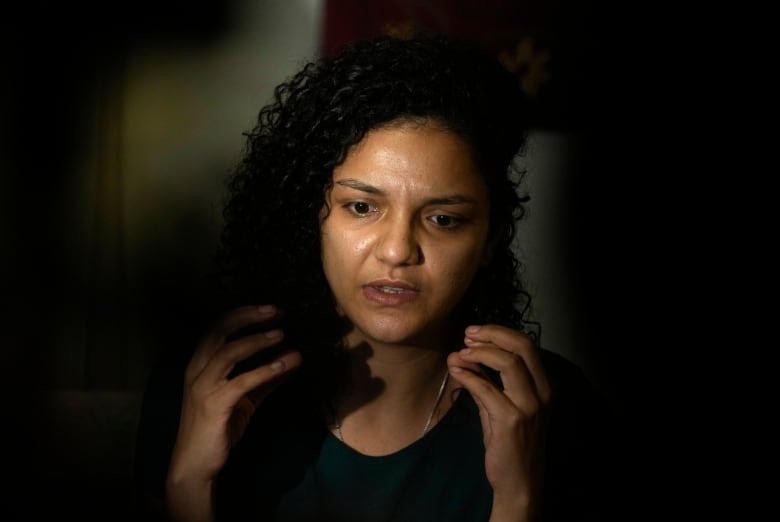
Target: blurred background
119 124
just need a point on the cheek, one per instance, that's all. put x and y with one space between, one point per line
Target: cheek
458 265
358 244
343 244
327 251
342 253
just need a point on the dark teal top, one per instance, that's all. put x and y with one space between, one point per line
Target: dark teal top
287 467
439 477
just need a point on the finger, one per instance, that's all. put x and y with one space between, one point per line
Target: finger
230 322
262 379
516 379
240 318
221 364
454 359
494 402
516 342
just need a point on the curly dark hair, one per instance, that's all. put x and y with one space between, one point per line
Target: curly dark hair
270 245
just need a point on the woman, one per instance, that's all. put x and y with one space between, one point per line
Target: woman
375 362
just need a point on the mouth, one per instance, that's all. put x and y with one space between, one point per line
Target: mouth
390 289
391 292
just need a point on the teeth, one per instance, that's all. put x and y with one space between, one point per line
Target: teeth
390 289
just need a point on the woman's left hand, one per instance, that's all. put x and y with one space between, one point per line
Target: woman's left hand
513 419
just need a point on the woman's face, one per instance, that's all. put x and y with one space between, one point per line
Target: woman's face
406 232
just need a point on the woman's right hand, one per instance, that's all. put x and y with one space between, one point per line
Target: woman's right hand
216 408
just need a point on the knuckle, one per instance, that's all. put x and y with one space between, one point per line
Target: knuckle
546 395
484 386
515 419
197 389
511 363
522 416
247 379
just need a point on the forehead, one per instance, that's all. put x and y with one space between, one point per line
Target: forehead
420 155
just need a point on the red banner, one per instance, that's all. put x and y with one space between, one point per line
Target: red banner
542 41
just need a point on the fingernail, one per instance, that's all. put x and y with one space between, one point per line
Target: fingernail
468 340
465 351
266 309
473 329
455 369
277 365
274 334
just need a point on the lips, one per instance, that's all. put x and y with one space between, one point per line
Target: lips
390 289
390 293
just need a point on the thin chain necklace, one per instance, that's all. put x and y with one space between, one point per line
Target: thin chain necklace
430 417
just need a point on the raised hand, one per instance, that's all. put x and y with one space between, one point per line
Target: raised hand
217 406
513 420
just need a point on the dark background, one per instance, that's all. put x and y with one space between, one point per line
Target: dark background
61 64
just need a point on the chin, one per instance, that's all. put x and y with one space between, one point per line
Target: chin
393 332
387 335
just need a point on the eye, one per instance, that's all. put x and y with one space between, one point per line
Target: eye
360 208
445 221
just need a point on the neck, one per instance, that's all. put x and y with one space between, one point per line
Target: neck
393 391
398 369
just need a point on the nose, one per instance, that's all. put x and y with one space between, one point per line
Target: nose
398 244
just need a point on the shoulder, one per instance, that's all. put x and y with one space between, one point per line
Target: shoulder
561 368
565 375
578 405
581 442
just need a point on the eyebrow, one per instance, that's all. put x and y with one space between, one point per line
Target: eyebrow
453 199
359 185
